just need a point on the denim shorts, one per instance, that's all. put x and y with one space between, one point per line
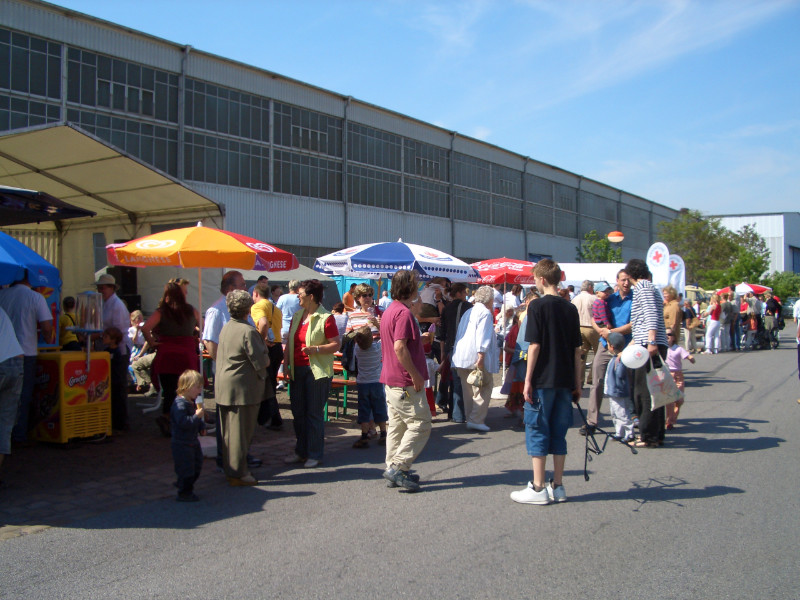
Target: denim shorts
547 421
371 403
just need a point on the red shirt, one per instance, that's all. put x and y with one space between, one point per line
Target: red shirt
300 359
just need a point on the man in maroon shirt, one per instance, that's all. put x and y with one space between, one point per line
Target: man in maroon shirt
402 376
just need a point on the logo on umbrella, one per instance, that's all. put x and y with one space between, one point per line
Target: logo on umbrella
261 247
435 256
346 252
154 244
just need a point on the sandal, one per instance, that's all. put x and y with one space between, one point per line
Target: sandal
642 444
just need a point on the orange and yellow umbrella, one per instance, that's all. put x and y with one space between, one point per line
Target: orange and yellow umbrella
201 247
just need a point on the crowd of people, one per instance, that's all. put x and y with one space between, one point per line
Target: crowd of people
416 338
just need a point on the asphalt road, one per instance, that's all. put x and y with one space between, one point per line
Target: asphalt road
713 514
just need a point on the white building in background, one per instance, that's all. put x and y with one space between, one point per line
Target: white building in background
283 161
781 232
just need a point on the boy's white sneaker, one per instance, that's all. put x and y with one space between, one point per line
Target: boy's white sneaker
557 493
530 496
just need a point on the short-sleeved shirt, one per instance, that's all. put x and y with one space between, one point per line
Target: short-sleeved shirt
26 309
398 323
300 359
266 309
359 318
619 310
9 346
67 319
675 354
216 317
600 312
554 325
369 363
288 305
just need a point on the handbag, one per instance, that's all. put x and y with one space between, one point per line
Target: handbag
694 323
475 378
661 385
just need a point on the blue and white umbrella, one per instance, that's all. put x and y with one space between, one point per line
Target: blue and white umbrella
384 259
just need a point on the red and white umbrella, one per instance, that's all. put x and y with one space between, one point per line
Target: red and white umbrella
746 288
504 270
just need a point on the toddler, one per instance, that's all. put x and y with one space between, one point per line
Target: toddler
675 354
186 421
618 390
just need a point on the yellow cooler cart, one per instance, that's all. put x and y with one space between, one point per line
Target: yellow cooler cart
69 402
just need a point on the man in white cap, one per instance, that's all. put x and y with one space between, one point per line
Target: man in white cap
115 314
28 311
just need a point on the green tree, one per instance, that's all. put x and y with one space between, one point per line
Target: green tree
784 284
715 256
594 249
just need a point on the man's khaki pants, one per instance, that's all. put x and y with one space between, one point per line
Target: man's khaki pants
590 339
476 399
409 425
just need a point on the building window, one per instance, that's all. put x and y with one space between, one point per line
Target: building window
309 176
227 111
566 198
565 224
370 187
506 182
99 244
373 147
29 65
225 162
17 113
425 160
153 144
598 207
472 206
538 190
635 217
538 218
307 130
427 198
471 172
506 212
105 82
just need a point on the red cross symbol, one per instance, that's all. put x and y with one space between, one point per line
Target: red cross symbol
657 256
673 265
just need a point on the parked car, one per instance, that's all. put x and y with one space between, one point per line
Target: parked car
788 306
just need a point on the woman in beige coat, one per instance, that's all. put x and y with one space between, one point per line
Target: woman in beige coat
242 362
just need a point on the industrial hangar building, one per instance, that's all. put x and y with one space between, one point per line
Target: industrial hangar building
152 135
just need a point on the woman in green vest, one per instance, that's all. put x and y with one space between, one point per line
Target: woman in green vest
313 339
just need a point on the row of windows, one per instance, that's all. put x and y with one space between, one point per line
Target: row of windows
98 80
18 113
226 162
309 176
373 147
307 130
370 187
29 65
154 144
226 111
426 160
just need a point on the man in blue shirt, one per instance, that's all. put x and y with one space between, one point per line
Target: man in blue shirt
619 308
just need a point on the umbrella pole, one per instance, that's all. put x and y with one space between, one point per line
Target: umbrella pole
503 327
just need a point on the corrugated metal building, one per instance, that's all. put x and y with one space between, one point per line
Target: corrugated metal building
298 166
781 232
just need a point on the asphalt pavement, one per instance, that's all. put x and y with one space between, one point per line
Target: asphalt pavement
712 514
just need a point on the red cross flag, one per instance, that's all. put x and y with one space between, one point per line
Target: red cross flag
658 263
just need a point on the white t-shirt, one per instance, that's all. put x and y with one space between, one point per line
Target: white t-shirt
511 300
115 314
26 309
498 298
9 346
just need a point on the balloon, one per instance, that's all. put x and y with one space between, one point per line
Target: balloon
634 356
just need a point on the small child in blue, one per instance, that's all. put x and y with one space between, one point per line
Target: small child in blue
371 397
617 388
186 420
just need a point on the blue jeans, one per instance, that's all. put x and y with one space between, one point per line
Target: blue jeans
458 400
10 388
547 421
20 433
371 403
307 397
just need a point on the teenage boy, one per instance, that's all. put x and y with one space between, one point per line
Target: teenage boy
552 383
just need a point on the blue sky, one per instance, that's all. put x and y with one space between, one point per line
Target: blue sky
688 103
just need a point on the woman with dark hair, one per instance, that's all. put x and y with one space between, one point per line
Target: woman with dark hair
647 323
171 330
313 338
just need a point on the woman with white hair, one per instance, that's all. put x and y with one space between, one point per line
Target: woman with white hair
476 349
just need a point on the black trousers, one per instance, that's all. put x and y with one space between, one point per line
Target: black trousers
188 464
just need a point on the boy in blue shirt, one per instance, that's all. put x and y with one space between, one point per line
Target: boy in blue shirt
186 421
